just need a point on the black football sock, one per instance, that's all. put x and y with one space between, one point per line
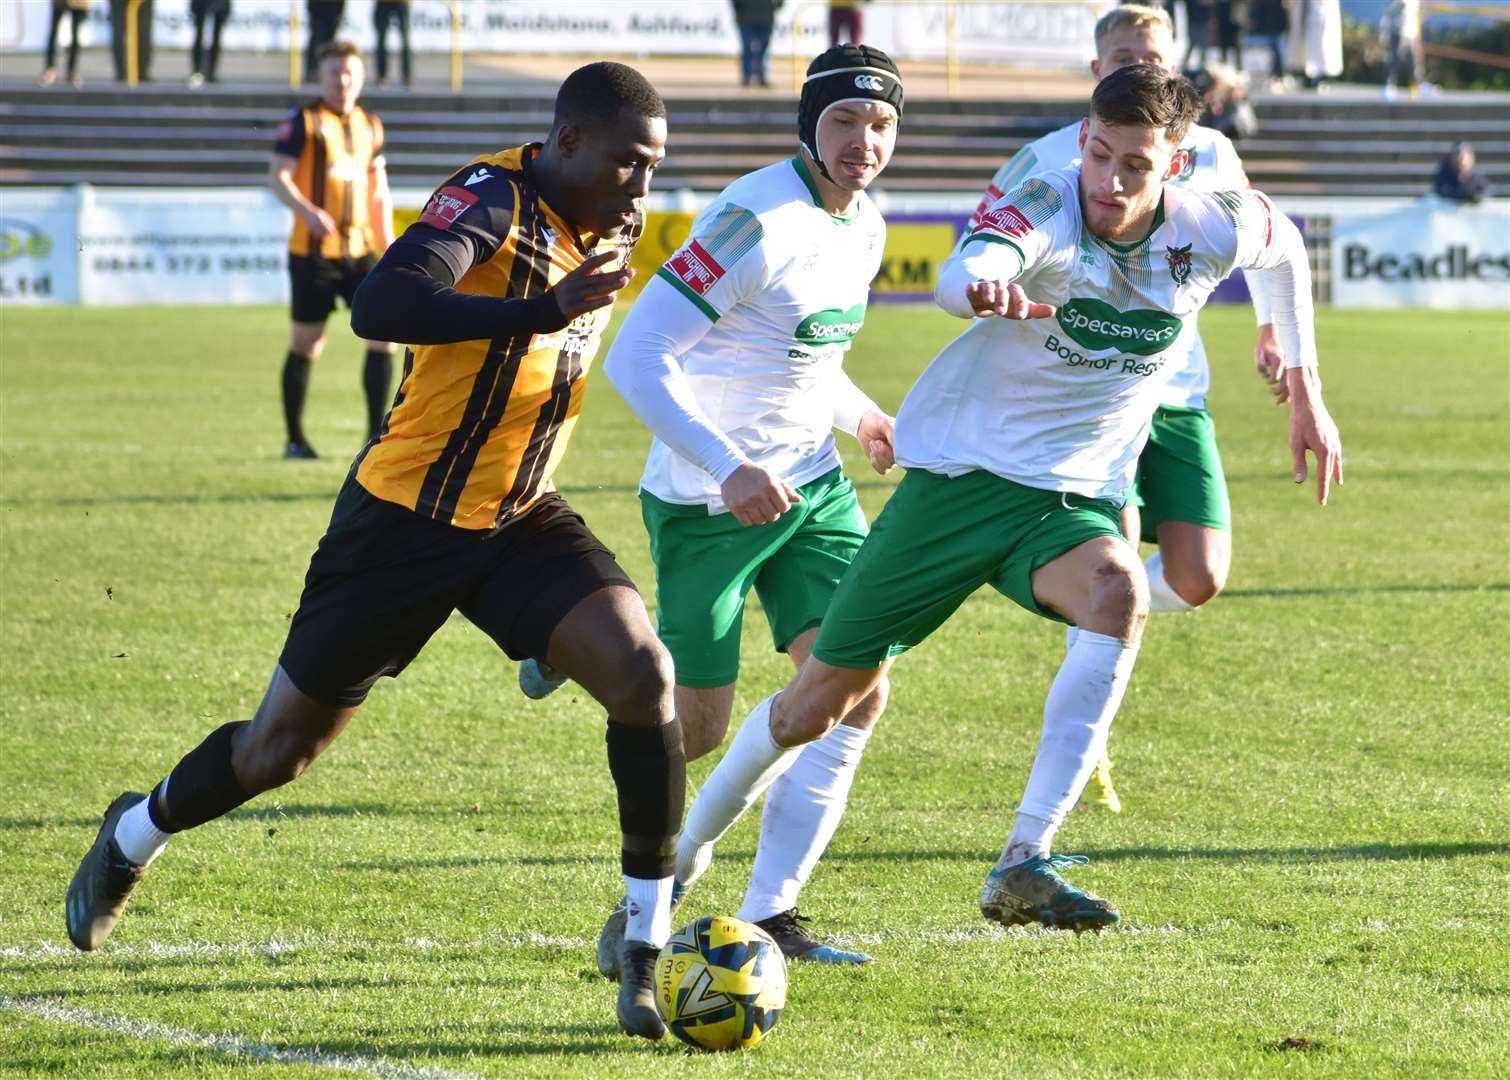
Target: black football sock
295 386
377 381
649 767
201 787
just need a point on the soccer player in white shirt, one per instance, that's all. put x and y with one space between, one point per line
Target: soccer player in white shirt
1019 441
1179 495
733 357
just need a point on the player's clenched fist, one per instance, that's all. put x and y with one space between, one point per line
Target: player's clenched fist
585 289
1008 301
756 496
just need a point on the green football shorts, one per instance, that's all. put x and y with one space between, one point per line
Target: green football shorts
706 563
1180 474
936 542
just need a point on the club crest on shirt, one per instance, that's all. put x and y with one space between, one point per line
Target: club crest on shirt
1190 159
1179 263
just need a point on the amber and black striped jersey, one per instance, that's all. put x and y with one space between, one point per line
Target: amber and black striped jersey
478 427
338 157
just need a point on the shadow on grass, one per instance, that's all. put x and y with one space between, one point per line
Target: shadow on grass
467 862
147 499
1340 590
272 814
1375 852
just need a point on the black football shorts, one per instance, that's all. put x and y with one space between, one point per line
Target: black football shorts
384 579
314 283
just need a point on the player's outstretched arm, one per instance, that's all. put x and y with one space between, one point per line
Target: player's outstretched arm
644 365
1312 428
1271 247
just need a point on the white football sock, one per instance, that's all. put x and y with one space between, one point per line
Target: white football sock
1077 718
752 761
1161 597
138 838
1070 633
649 910
802 811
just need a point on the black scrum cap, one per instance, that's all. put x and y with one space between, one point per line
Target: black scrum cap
844 73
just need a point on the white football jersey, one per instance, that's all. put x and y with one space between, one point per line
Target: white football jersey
1213 165
1064 403
785 284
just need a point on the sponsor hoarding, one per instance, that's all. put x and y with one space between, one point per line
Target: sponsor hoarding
175 246
1433 254
1021 32
38 241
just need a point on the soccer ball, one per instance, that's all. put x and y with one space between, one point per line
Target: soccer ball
720 983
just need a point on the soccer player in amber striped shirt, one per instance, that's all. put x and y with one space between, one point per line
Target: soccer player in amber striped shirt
503 288
327 167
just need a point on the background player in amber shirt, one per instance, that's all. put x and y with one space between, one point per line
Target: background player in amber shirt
327 167
504 287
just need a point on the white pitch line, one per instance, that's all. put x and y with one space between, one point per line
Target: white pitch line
225 1044
287 947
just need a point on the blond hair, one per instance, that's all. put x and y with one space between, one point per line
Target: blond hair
1132 17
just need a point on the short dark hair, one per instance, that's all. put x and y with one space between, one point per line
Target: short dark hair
599 92
338 50
1142 95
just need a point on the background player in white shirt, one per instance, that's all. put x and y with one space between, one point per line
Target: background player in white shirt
1179 496
1019 440
733 357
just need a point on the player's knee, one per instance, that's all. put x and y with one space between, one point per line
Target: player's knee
642 684
1119 597
1197 583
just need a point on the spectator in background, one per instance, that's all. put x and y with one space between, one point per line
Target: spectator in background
206 66
1314 48
1458 178
75 9
387 13
324 23
1224 92
118 10
1268 22
1400 34
846 23
1198 23
755 20
1227 18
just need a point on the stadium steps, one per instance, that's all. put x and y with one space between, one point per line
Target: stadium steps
163 135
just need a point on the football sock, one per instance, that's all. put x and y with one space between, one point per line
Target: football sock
201 787
1077 717
377 379
1070 633
649 767
138 837
1161 597
649 915
752 761
802 811
295 386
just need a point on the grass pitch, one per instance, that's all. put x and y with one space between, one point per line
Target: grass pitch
1312 864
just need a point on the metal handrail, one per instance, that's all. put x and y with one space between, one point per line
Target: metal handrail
133 42
456 66
295 69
